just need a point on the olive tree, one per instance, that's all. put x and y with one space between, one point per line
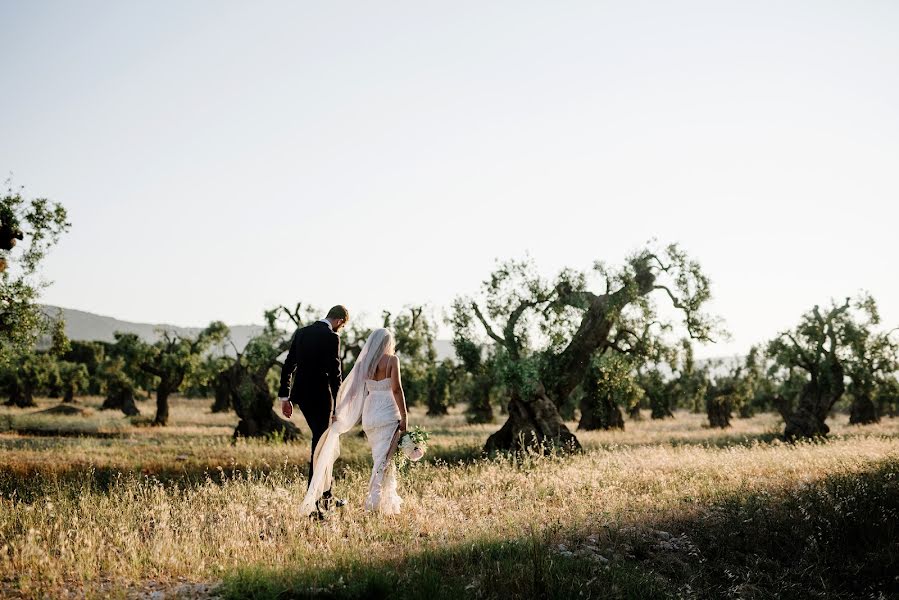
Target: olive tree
480 380
812 351
888 396
74 378
547 334
249 377
170 360
730 389
625 372
609 384
31 375
118 385
658 391
414 333
872 358
91 355
38 223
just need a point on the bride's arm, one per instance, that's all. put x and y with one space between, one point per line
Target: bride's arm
398 395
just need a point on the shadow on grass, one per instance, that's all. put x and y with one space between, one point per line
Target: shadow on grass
835 538
512 569
731 440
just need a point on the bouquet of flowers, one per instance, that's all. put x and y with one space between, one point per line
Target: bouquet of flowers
414 443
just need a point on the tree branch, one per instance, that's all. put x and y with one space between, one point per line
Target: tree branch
496 338
804 359
514 317
654 256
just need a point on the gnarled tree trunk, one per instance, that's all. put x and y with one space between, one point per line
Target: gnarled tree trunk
252 401
20 395
660 406
719 408
601 414
27 398
598 410
863 410
222 401
162 403
533 422
815 401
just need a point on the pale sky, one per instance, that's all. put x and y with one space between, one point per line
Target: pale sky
218 158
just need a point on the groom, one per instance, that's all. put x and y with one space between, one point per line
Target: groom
315 356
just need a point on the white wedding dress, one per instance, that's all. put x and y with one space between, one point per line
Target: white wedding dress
361 397
380 420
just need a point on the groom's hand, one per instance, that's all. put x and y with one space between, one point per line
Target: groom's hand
286 407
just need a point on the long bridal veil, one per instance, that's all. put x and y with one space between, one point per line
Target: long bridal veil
348 410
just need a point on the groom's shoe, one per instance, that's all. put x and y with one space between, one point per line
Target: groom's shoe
330 502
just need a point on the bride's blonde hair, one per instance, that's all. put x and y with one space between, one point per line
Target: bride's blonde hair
390 343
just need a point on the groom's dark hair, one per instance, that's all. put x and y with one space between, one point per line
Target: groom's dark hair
338 312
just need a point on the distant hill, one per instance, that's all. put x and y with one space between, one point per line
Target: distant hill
85 326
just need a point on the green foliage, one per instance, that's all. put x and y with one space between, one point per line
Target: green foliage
614 378
819 351
690 383
415 334
815 345
174 357
248 381
168 362
758 388
41 223
542 333
871 359
888 396
609 386
658 389
200 382
477 382
519 299
440 379
254 380
91 355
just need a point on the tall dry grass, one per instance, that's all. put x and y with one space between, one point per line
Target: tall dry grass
174 512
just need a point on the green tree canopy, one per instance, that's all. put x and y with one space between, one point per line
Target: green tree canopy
813 352
547 333
38 223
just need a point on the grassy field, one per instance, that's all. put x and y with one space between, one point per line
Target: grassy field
664 509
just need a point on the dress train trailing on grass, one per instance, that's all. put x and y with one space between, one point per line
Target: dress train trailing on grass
373 393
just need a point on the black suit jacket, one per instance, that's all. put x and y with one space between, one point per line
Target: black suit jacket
315 357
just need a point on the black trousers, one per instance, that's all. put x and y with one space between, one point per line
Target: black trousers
318 417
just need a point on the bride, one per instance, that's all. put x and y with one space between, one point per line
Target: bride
373 392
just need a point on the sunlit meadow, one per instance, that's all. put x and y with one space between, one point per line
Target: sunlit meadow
115 508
